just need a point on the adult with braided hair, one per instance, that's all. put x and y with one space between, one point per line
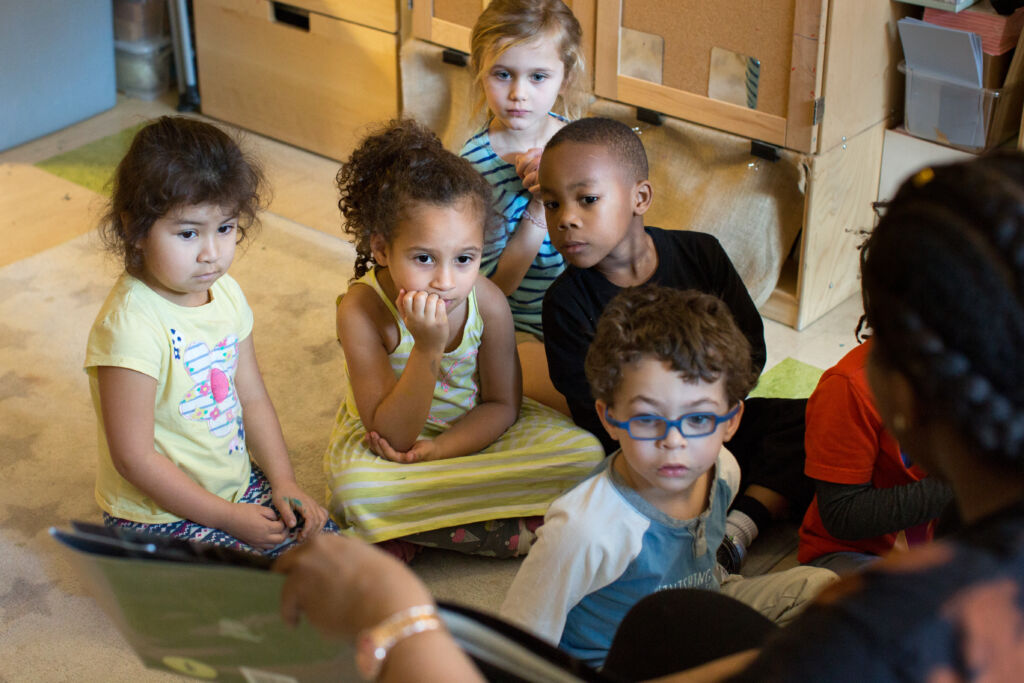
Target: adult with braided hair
943 287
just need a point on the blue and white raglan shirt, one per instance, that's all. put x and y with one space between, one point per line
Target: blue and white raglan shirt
603 548
510 199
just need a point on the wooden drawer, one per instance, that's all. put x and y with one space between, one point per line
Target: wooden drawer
825 67
300 76
380 14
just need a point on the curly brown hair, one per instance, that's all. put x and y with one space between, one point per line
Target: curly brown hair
400 164
173 162
694 332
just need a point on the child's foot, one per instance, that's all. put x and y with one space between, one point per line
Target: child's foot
731 555
740 532
403 550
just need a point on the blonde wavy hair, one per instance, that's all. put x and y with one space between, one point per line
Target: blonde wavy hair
507 23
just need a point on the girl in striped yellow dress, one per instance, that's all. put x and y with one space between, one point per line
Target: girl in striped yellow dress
434 443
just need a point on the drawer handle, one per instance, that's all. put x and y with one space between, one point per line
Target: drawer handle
292 16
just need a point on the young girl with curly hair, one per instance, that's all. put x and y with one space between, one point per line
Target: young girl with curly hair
434 443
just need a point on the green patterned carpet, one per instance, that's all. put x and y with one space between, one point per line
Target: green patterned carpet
92 165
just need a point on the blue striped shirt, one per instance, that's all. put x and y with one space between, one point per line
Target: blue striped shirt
510 201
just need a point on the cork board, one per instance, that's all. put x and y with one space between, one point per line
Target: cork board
461 12
762 29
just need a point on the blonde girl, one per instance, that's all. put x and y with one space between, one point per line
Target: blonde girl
179 398
529 68
434 443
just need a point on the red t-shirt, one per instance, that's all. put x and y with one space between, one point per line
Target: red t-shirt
847 444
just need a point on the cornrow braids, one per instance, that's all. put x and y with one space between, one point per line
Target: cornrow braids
402 163
943 283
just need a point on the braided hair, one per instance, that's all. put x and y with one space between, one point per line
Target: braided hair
400 164
943 284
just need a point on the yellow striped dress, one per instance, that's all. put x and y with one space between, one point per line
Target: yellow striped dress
537 459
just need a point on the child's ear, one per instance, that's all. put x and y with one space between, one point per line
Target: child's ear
643 195
601 407
733 423
378 248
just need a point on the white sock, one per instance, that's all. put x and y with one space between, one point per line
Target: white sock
741 528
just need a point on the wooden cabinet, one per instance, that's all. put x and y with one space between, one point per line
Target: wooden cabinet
311 72
826 68
827 87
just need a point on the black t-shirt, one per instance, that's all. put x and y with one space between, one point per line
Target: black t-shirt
574 302
952 610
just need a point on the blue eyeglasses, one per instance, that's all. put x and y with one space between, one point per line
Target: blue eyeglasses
655 427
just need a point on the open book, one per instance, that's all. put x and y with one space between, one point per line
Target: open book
213 613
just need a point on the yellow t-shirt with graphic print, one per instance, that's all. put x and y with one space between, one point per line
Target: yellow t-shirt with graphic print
192 353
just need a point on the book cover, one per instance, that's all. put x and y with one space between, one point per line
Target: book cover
214 614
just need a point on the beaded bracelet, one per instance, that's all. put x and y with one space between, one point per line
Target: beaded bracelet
539 224
374 644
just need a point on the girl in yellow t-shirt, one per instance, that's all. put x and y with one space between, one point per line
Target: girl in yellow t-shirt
179 398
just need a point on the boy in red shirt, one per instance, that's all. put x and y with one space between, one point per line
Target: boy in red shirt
867 491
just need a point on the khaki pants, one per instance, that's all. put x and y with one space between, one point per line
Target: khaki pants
780 596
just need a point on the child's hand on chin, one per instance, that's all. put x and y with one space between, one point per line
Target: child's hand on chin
424 449
257 525
426 317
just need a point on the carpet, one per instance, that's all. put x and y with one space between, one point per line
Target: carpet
789 379
92 165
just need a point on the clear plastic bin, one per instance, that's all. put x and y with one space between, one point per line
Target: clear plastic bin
136 20
952 114
143 67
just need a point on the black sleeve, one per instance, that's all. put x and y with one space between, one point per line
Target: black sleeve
568 330
856 511
729 287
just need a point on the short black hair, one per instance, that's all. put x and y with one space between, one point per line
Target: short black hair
619 139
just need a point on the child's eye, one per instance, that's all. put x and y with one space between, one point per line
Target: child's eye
550 206
501 75
187 234
589 199
699 421
464 259
646 420
539 77
423 258
226 228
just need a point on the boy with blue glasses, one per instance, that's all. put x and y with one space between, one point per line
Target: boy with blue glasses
668 370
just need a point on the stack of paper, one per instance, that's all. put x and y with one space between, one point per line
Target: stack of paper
951 5
998 33
944 53
945 98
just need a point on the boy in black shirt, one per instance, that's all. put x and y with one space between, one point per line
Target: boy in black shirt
593 179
